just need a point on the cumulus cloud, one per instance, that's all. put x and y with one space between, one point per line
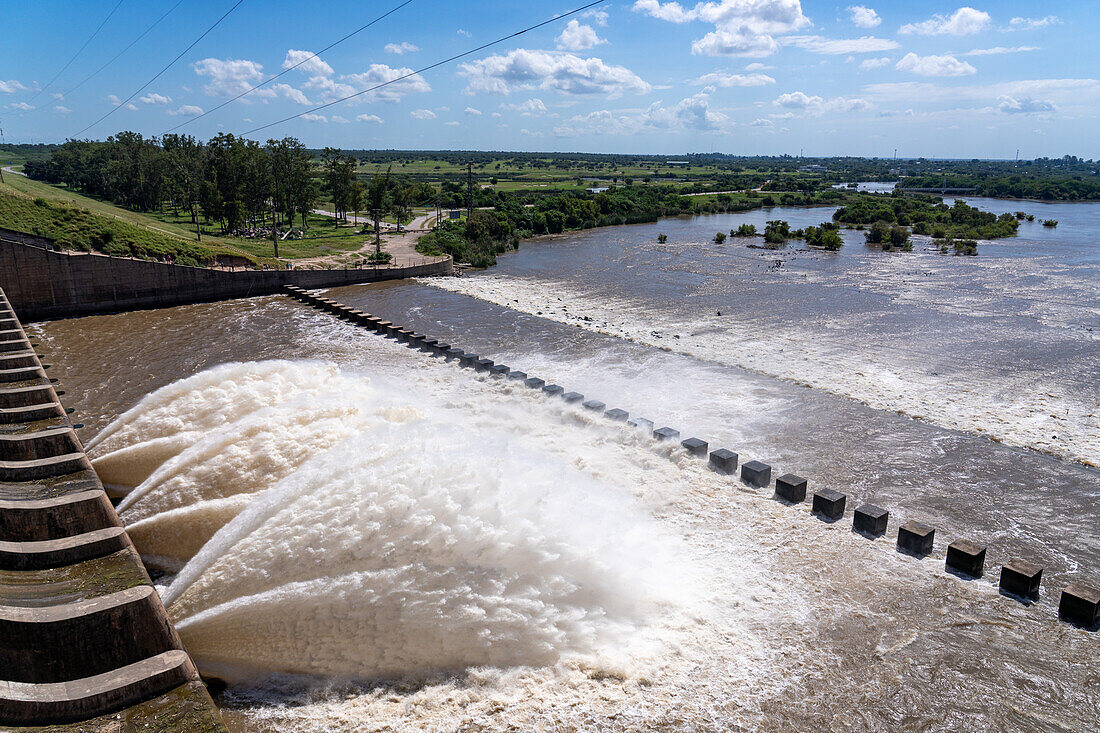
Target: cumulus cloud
945 65
762 123
691 113
599 17
132 107
472 112
23 106
1062 92
155 99
294 95
725 80
314 118
741 27
11 86
869 64
305 61
529 108
839 46
371 119
379 74
187 110
1027 24
340 120
863 17
963 22
423 114
819 105
401 48
61 109
228 77
578 37
451 123
998 50
1012 106
524 69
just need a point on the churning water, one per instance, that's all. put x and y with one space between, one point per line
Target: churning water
365 538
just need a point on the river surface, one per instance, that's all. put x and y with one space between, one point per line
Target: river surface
337 476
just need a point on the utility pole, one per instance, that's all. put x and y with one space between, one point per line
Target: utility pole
274 229
469 190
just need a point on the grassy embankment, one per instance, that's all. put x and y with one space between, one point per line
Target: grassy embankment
81 222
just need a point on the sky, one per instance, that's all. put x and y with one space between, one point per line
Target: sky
744 77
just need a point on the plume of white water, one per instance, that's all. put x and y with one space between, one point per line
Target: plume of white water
421 547
171 419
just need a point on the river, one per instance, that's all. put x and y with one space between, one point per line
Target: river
620 585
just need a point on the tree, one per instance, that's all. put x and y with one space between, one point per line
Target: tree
378 199
186 157
720 237
879 232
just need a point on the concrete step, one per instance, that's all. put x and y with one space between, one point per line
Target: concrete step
21 374
41 468
133 619
30 413
50 519
35 394
20 344
62 551
23 703
39 444
18 359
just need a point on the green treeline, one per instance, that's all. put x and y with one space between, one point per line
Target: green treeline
1044 187
928 216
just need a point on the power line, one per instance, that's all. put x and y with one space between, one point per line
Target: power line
472 51
144 33
78 52
292 68
157 75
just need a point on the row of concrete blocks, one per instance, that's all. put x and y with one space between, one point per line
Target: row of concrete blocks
69 656
1079 603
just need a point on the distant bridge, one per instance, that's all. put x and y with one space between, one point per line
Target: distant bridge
942 190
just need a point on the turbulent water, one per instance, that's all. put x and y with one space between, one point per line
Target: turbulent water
365 538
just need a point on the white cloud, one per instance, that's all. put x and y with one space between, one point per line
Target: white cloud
473 112
372 119
725 80
465 33
114 99
423 114
401 48
451 123
155 99
599 16
692 113
314 118
963 22
294 95
11 86
839 46
23 106
61 109
306 62
228 77
869 64
379 74
58 96
524 69
863 17
578 37
1081 95
339 119
741 27
757 66
496 114
187 110
1025 106
945 65
818 105
762 123
998 50
529 108
1027 24
132 107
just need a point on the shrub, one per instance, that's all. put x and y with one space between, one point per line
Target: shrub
662 238
719 237
1050 223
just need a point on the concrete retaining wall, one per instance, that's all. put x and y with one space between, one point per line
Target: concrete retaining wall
43 284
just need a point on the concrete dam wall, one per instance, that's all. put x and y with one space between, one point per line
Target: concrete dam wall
44 284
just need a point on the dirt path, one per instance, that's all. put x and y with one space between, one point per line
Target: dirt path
401 246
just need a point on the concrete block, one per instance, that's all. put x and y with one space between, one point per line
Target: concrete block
517 375
641 423
755 473
663 434
695 447
829 504
915 538
535 382
499 370
724 461
483 365
56 553
595 406
453 353
616 415
870 520
791 488
1080 605
468 360
36 520
553 390
572 397
1021 579
965 558
439 348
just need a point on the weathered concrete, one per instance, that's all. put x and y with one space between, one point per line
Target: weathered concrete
965 558
573 397
915 538
1080 605
756 473
666 433
695 447
616 415
553 390
595 406
789 487
829 504
44 284
1021 579
535 382
641 423
870 520
724 461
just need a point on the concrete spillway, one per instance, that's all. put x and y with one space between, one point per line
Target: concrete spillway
84 637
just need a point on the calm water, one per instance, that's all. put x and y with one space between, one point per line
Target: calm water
960 392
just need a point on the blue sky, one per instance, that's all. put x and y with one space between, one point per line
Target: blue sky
632 76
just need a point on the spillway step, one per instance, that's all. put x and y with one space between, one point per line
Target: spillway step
55 553
55 518
41 468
